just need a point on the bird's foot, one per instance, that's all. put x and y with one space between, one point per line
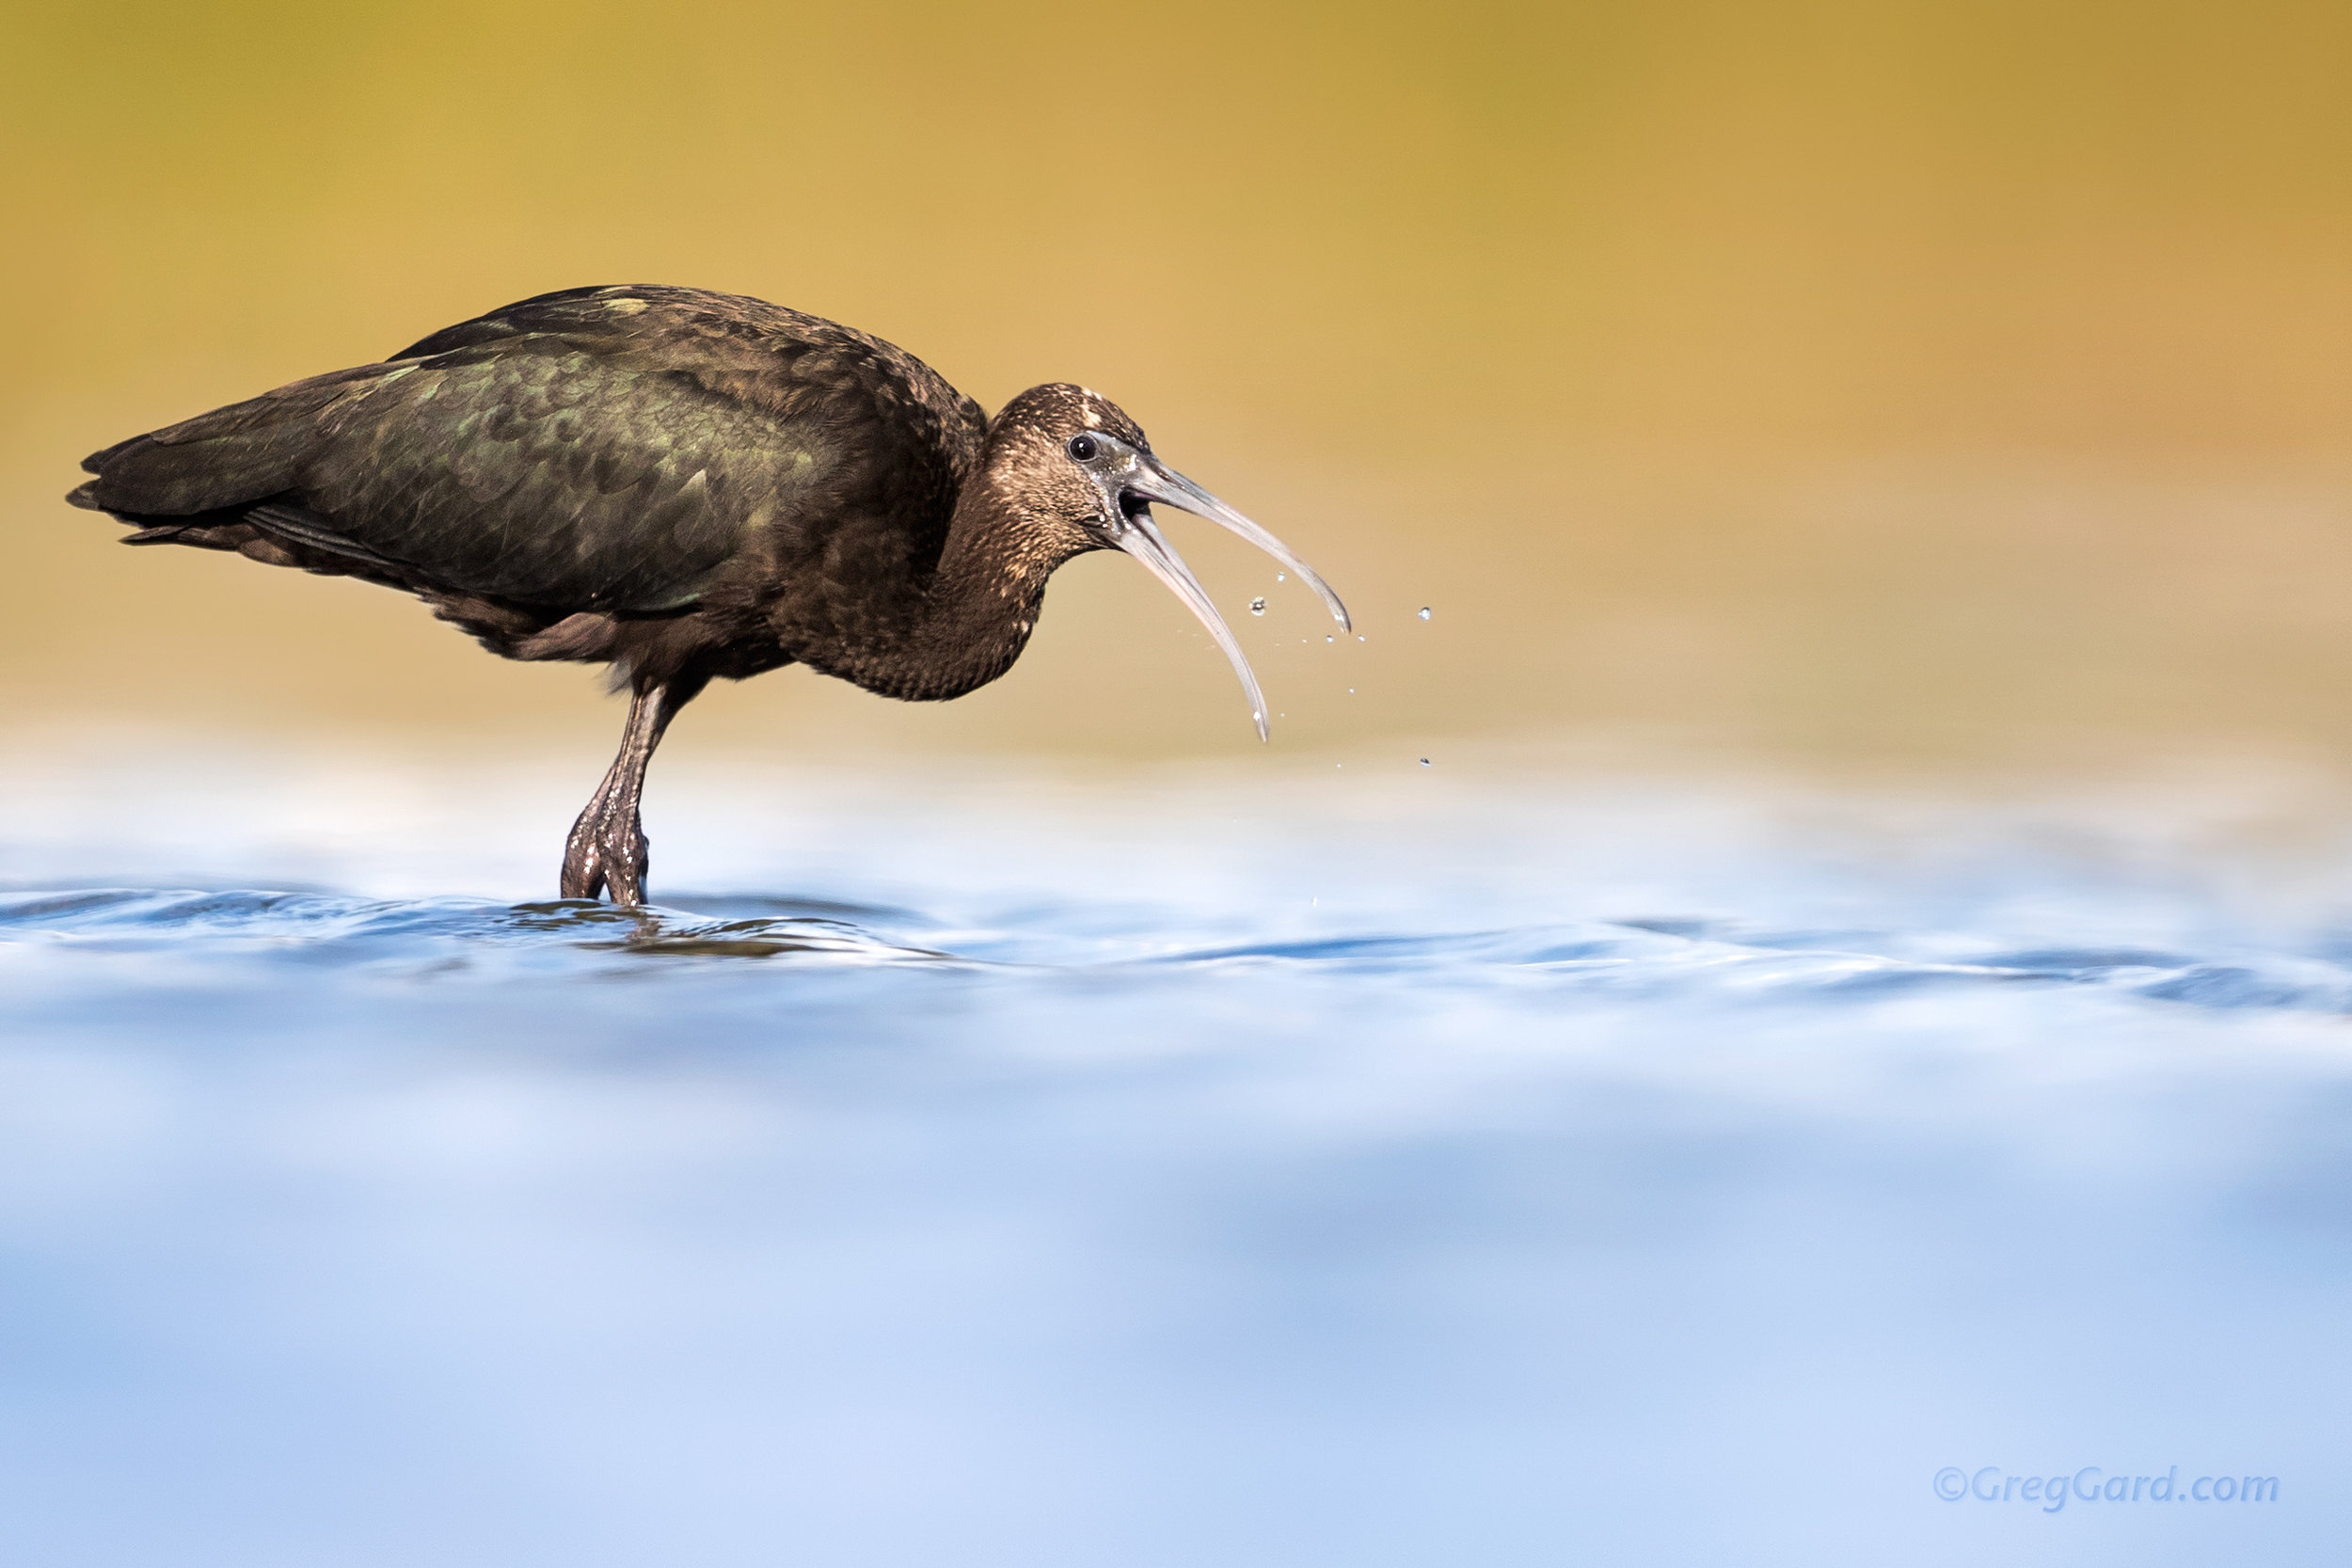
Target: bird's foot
607 854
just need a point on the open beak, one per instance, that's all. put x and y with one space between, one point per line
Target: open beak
1149 481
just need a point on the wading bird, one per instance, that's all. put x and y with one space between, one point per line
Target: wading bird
683 485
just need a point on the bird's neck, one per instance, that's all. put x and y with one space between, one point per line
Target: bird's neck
981 602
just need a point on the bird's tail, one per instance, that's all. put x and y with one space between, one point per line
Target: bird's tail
222 461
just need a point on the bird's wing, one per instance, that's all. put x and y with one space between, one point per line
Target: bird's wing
545 472
598 449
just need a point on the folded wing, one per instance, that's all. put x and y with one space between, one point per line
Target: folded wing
561 454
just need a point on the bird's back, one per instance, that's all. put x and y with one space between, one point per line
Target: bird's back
610 449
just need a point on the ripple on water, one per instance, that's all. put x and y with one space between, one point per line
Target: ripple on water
1660 956
312 928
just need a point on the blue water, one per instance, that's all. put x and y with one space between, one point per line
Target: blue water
1512 1163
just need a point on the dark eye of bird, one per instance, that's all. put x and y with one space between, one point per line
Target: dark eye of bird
1082 447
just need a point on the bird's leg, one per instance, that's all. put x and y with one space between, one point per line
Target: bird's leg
607 849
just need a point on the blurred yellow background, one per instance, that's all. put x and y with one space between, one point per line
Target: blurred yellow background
1841 378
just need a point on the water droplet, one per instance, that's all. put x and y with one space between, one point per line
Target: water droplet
1424 762
1330 640
1351 691
1359 636
1282 576
1257 606
1425 613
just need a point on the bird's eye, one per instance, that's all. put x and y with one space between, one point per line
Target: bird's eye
1082 447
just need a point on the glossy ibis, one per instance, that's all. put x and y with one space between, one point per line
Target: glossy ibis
681 484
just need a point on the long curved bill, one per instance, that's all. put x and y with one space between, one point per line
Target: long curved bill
1143 540
1155 481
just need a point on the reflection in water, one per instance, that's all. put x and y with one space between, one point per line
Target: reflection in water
1472 1167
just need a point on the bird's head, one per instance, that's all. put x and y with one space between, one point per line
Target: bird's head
1086 477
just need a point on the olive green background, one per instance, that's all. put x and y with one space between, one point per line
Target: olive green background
1843 380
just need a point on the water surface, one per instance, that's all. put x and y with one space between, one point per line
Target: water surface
1496 1164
